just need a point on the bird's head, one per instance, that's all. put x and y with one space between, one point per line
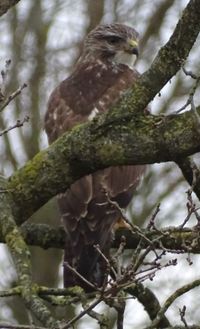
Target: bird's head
115 42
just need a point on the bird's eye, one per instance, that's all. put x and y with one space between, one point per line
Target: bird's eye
113 39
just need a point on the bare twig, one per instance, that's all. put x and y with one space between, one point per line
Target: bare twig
189 73
190 100
191 207
100 318
151 223
80 276
81 314
18 124
110 268
133 227
117 256
182 315
12 96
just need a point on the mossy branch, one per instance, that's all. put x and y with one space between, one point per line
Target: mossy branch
179 292
172 238
90 147
150 302
21 257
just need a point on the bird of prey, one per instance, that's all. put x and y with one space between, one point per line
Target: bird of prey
104 71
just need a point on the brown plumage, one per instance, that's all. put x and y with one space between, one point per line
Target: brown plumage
101 76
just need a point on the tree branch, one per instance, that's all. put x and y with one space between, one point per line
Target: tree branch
89 148
191 174
150 302
21 257
5 5
183 240
171 299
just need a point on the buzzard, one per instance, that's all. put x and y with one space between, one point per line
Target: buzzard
102 74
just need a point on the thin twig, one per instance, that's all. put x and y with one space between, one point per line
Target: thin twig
12 96
190 100
80 276
189 73
118 255
18 124
100 318
80 315
133 227
105 259
182 315
151 223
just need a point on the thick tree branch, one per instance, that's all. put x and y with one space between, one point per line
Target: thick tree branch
191 173
89 148
185 240
122 136
7 4
171 299
21 257
150 302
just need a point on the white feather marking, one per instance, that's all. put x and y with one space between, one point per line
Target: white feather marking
99 62
55 115
101 103
88 68
66 214
98 75
122 81
93 114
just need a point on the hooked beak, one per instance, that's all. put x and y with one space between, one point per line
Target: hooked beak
132 47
